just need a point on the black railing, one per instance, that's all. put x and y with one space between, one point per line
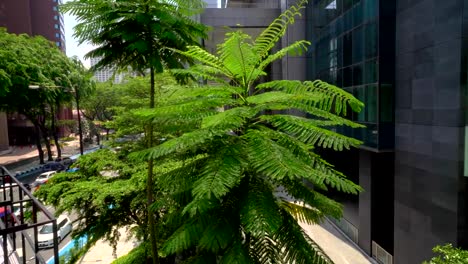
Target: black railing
20 216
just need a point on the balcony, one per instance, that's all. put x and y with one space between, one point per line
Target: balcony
21 215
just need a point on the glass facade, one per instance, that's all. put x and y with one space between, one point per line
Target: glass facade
348 48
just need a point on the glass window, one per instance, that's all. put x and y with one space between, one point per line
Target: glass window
357 13
347 49
371 40
339 78
370 9
57 44
357 74
368 95
56 17
56 26
386 103
347 21
371 70
347 77
57 35
358 45
347 4
54 8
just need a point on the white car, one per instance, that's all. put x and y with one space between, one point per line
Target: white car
45 236
44 177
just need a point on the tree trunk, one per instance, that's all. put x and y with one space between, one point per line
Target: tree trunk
80 129
55 133
107 134
149 183
37 137
45 136
98 138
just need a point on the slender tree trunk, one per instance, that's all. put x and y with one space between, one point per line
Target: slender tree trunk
37 138
80 129
55 133
98 137
107 134
45 136
149 183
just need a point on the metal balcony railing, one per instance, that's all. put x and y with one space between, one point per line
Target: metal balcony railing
21 214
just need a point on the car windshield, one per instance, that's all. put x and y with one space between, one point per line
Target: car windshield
42 176
47 229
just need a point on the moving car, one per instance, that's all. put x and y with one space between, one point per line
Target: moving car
45 236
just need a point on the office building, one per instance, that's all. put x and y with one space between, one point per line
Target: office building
406 60
108 73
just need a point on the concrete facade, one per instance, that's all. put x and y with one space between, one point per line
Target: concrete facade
430 107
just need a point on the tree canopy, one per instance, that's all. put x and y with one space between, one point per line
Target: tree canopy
34 81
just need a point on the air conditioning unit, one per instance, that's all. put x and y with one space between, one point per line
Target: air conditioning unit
380 254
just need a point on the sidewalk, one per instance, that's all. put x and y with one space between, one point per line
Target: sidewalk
338 247
101 252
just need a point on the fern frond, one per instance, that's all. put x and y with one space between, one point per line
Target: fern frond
260 212
184 238
297 248
220 173
218 235
332 96
296 48
237 56
272 160
306 131
236 254
199 54
231 119
268 38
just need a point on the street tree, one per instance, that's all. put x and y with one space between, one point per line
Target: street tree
136 34
245 158
28 84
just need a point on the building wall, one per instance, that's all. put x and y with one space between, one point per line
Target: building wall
430 190
46 21
4 144
15 16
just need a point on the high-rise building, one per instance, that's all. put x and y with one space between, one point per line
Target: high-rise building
107 73
406 60
32 17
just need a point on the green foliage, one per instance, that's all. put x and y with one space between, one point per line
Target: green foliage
242 155
135 32
135 256
447 254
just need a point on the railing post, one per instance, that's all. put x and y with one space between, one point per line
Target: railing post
5 249
56 242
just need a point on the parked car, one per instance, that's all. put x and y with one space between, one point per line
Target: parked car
53 166
45 237
43 178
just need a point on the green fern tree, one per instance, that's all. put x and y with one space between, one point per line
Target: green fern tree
244 157
135 34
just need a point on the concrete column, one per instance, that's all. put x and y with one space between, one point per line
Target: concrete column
4 144
365 201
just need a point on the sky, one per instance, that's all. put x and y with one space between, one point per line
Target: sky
73 49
